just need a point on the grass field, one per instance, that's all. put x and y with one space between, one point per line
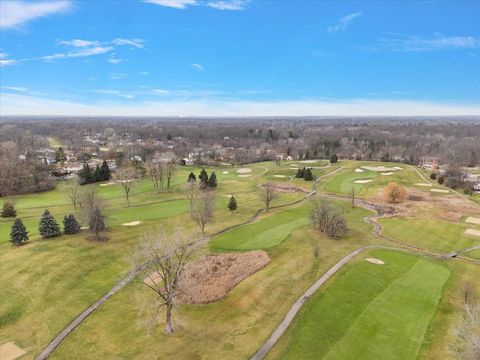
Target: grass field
382 319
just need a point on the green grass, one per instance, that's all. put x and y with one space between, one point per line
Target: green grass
382 319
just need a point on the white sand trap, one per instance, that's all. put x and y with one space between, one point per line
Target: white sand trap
10 351
308 161
387 174
398 168
224 172
292 168
375 261
244 170
362 181
440 191
423 184
359 170
108 184
279 176
228 195
381 168
84 228
124 181
133 223
243 176
472 220
473 232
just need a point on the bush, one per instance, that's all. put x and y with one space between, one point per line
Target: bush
232 204
48 226
308 175
333 159
8 210
394 193
441 180
433 176
19 233
70 225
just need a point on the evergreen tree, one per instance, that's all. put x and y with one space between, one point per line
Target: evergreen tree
86 174
60 155
300 173
192 177
97 174
333 159
48 226
8 210
212 181
203 179
308 175
70 225
105 171
19 233
232 204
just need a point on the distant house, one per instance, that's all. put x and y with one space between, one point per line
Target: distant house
72 168
187 162
22 157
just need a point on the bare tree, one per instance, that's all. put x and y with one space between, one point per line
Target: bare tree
269 194
94 207
126 176
468 334
164 257
72 190
203 209
170 168
156 174
328 218
191 194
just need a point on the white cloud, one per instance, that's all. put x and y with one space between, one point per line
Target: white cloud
17 104
15 13
398 42
79 43
161 92
343 23
197 67
138 43
177 4
16 88
114 92
234 5
114 61
4 60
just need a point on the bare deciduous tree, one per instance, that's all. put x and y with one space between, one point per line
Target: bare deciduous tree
203 209
394 193
170 168
191 194
94 207
156 174
269 193
468 333
328 218
72 190
126 176
164 257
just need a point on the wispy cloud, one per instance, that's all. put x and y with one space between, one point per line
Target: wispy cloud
161 92
114 61
117 76
398 42
233 5
177 4
343 23
197 67
16 88
4 60
138 43
15 13
114 92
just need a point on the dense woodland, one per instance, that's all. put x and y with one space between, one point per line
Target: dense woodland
453 140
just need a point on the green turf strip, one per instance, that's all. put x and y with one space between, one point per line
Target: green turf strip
370 311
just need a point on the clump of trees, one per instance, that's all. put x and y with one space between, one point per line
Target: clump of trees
70 225
160 171
207 182
87 175
394 193
18 234
8 209
467 330
48 226
232 203
328 218
304 173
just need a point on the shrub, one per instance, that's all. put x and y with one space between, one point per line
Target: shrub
433 176
8 210
232 204
441 180
19 233
70 225
333 159
394 193
48 226
308 175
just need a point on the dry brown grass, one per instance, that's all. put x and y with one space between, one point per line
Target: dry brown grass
210 278
288 188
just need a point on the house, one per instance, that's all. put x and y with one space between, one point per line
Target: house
187 161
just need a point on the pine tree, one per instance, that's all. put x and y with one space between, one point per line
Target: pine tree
232 204
8 210
105 171
19 233
308 175
86 174
192 177
203 179
333 159
70 225
97 174
48 226
212 181
299 174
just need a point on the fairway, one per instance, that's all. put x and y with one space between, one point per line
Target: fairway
382 319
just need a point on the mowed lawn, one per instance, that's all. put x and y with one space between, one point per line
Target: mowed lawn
369 311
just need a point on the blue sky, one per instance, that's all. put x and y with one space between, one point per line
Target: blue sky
212 57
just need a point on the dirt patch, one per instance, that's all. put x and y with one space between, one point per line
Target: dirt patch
375 261
288 188
244 170
363 181
472 220
133 223
10 351
472 232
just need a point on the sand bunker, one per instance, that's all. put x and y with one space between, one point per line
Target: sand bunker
440 191
423 184
243 175
211 277
133 223
381 168
359 170
244 170
472 220
308 161
472 232
362 181
387 174
229 195
375 261
84 228
279 176
108 184
224 172
10 351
